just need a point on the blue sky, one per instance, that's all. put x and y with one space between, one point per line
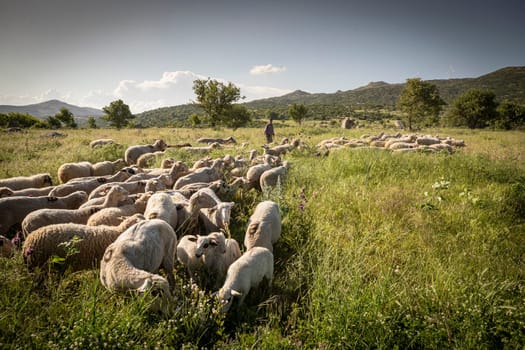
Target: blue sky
148 53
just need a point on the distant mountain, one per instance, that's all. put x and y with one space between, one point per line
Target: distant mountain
52 107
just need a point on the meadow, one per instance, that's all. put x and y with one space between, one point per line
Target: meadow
378 250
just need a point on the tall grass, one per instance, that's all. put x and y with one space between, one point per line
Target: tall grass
378 250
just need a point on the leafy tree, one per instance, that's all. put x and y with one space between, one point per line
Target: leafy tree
420 101
272 115
510 115
236 116
15 119
474 109
215 98
195 120
92 123
297 112
66 117
53 122
117 114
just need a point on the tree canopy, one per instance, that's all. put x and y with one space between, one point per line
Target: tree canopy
216 99
475 108
65 116
297 112
117 114
420 101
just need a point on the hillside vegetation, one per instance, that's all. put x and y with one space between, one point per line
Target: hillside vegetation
507 83
378 250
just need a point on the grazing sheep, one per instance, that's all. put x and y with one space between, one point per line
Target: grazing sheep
206 174
246 273
254 173
270 177
188 215
161 206
203 149
216 218
7 248
201 163
89 184
45 243
132 262
134 152
158 184
68 171
264 226
108 168
278 150
100 143
113 216
30 192
14 209
145 159
189 189
44 217
133 187
207 258
218 140
22 182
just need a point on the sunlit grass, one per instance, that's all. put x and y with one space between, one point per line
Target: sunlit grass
379 250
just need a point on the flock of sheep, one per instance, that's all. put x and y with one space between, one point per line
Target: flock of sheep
394 142
131 221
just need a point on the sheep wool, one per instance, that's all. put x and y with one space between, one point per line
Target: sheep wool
264 226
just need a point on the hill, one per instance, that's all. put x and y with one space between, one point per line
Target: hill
51 107
506 83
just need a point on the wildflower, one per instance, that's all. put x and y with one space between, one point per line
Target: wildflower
301 207
29 251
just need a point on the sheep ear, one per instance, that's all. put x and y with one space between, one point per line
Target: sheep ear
214 242
236 293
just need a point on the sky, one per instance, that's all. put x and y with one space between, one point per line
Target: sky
148 53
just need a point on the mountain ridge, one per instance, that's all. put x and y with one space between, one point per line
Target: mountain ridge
51 107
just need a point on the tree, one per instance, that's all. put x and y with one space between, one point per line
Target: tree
236 116
510 115
117 114
53 122
474 109
65 116
194 119
297 112
215 98
92 123
420 101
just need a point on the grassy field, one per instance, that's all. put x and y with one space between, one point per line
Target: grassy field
378 250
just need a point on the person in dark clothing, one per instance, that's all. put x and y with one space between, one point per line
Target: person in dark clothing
268 131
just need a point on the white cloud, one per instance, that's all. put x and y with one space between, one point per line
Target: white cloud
171 89
266 69
21 100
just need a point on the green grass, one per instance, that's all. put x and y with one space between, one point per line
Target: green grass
379 250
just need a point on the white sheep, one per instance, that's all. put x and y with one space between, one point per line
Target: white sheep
44 217
133 187
264 226
216 218
22 182
161 206
206 174
132 153
7 248
209 140
113 216
207 258
132 262
271 177
254 173
31 192
204 149
48 241
90 183
246 273
145 159
100 142
14 209
68 171
107 167
189 189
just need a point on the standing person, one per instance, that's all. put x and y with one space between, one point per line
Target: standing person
268 131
